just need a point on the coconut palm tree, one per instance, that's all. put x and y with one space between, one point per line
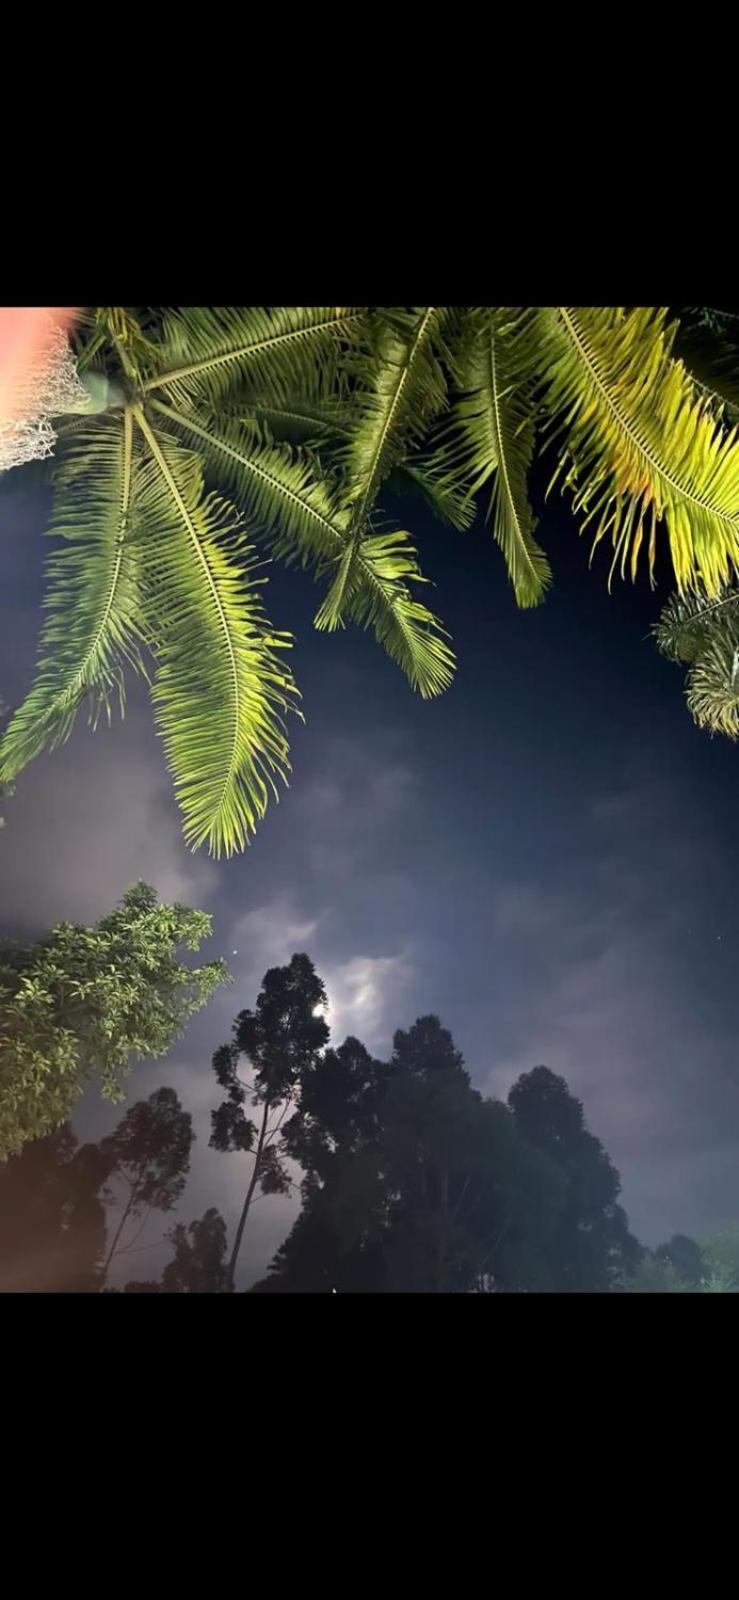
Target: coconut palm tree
310 418
640 440
155 565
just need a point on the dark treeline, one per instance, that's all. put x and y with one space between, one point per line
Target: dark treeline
410 1180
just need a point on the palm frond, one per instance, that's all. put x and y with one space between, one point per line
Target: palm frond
685 621
706 341
641 446
372 590
284 492
206 350
281 488
401 387
222 687
431 477
494 426
712 688
94 592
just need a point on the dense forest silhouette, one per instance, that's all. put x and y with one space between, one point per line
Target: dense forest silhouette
409 1179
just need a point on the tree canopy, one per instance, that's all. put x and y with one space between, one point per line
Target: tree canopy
83 1003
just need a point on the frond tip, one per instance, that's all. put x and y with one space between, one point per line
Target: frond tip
496 427
222 688
373 592
95 627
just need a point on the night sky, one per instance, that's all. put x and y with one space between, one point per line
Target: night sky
544 856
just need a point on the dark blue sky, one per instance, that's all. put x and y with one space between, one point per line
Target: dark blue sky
545 857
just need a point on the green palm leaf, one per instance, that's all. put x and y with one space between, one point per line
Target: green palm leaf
494 420
374 593
283 491
401 387
705 635
712 688
222 688
94 592
206 350
641 447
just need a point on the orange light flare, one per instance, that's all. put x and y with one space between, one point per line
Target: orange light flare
24 337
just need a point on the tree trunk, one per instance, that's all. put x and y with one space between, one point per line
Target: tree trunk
116 1237
247 1202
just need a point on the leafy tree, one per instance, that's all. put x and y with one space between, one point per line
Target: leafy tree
198 1265
52 1216
721 1255
591 1247
148 1154
686 1256
84 1002
656 1275
280 1041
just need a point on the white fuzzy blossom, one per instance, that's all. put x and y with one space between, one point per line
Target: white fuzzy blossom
50 387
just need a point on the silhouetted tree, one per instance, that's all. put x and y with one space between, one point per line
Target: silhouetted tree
591 1247
149 1154
412 1180
336 1242
462 1197
52 1216
280 1041
199 1262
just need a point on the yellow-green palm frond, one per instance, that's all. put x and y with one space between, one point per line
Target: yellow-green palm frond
401 386
222 687
371 589
207 350
640 447
493 425
288 498
281 489
94 594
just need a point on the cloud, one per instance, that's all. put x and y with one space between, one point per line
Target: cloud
90 819
366 997
599 983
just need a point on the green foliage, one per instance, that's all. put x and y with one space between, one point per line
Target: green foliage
721 1253
495 422
309 416
639 447
155 568
705 635
83 1003
686 1256
657 1276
